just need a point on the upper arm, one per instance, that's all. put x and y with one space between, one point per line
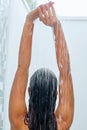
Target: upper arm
65 109
17 106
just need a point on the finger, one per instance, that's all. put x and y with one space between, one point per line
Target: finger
41 7
44 10
48 10
41 15
53 11
40 10
45 13
50 3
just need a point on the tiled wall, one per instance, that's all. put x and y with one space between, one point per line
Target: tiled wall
4 4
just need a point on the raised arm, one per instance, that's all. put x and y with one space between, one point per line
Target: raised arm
65 109
17 106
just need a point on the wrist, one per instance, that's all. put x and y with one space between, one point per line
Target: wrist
56 26
29 20
27 31
29 26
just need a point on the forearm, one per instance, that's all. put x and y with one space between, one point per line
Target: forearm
62 54
26 45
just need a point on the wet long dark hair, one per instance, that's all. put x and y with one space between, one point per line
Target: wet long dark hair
43 94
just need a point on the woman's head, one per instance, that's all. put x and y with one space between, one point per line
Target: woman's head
43 94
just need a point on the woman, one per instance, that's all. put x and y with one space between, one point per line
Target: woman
41 114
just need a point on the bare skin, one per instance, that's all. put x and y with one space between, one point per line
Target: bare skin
17 105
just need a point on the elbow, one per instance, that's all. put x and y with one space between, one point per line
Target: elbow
69 120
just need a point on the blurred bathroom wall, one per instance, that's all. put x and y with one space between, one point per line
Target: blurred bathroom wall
17 14
4 8
43 55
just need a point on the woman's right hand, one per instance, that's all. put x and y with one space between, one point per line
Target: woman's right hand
47 14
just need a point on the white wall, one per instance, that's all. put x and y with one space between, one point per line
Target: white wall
69 7
43 55
75 32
